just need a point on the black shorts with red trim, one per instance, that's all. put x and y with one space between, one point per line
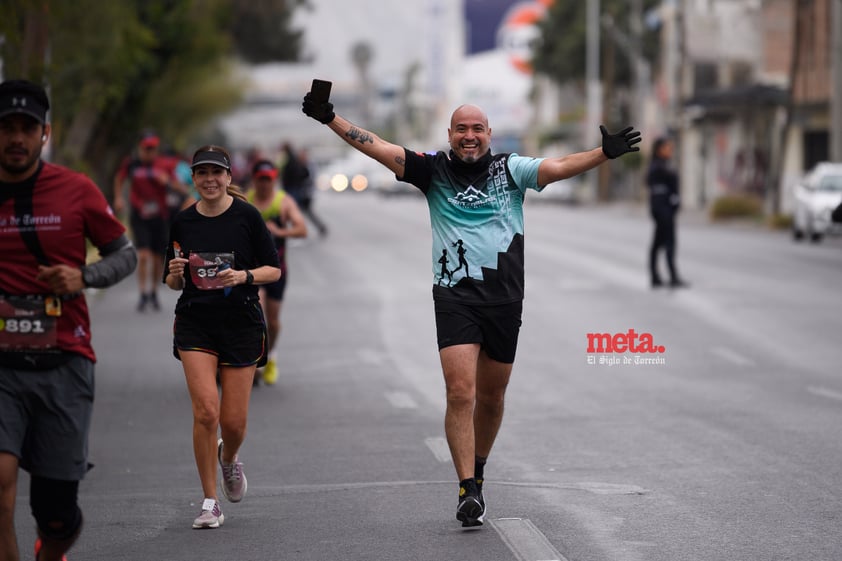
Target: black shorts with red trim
235 335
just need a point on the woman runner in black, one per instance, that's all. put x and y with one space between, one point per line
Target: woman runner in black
219 250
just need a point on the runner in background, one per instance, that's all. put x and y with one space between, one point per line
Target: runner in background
297 180
184 195
151 176
284 220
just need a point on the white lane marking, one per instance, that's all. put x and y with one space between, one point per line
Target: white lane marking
825 392
599 488
401 400
438 446
525 541
732 356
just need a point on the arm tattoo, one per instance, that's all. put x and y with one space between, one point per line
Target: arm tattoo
359 135
401 161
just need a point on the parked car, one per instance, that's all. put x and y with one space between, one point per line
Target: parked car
816 196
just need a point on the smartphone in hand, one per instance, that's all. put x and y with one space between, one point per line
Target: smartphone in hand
320 91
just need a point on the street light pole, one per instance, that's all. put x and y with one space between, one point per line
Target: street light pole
639 64
593 92
592 72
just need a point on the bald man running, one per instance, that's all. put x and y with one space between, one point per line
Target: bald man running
475 200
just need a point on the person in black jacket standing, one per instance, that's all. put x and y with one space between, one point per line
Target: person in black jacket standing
664 203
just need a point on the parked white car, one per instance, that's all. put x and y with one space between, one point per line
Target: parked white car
816 195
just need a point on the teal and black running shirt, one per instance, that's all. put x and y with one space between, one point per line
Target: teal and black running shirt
476 214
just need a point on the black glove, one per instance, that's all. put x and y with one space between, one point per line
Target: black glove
322 112
615 145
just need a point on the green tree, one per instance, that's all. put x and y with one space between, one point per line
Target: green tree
560 54
262 29
115 68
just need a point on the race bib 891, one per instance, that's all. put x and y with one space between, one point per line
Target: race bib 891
25 325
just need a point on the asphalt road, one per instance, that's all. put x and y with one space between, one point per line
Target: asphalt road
725 446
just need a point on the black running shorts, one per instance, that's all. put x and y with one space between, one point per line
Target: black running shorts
495 328
235 335
275 290
149 233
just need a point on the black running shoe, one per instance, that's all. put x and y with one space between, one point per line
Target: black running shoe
480 497
470 511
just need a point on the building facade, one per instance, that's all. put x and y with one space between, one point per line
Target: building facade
754 83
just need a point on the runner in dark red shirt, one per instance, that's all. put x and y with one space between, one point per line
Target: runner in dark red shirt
151 176
47 215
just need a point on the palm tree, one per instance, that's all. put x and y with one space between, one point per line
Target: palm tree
361 56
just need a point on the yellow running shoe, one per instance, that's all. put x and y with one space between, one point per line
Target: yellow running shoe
270 372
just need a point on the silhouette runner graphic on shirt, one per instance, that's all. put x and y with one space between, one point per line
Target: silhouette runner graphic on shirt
462 261
444 260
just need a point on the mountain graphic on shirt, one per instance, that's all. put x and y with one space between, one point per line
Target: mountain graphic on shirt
470 197
471 194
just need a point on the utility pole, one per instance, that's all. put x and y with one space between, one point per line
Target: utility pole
673 61
603 186
630 46
836 81
592 73
593 92
639 64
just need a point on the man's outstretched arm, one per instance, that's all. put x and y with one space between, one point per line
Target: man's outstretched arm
613 146
388 154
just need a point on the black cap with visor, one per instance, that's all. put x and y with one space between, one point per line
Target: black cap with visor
211 157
